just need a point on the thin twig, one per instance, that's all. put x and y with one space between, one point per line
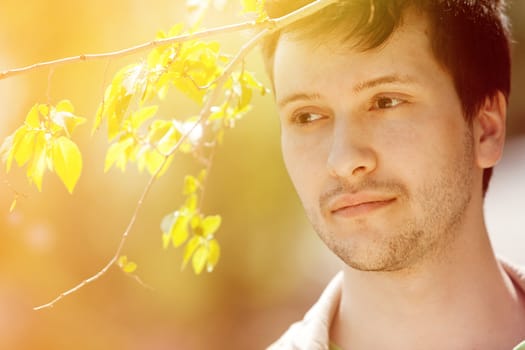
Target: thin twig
269 27
134 49
117 252
141 282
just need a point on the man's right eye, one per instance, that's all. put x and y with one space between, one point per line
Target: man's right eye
304 118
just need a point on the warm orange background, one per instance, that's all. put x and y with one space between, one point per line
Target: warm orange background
272 266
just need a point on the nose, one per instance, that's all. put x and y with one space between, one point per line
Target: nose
351 154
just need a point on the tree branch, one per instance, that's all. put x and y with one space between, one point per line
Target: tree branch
269 26
131 50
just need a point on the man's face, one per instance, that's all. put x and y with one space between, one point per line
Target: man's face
376 145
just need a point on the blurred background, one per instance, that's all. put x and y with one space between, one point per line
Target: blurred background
273 266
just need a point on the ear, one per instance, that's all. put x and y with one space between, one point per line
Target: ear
489 130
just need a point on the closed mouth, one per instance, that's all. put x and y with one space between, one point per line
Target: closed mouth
350 205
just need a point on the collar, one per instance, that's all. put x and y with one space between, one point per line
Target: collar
313 331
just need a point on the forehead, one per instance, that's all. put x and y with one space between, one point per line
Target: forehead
300 62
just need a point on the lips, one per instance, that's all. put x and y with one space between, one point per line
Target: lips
350 205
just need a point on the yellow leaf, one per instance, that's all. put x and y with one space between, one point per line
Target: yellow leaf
67 161
189 250
138 118
62 115
99 116
122 260
65 105
249 5
176 29
161 34
191 184
179 230
191 202
199 259
167 222
202 175
195 224
118 153
72 121
169 140
116 111
33 118
125 265
130 267
153 160
24 147
210 224
166 165
214 253
166 239
13 205
43 109
217 112
35 171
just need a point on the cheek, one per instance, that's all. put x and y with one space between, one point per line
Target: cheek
305 165
421 149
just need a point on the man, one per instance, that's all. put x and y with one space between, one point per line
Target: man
393 115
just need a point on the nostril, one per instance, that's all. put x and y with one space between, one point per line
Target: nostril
359 170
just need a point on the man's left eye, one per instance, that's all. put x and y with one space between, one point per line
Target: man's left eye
385 102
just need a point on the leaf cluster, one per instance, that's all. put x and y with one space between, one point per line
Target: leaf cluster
177 228
44 143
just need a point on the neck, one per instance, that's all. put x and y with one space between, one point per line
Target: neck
463 300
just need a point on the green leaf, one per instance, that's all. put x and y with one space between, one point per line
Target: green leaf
67 162
199 259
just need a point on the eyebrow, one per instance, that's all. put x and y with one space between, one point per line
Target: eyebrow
301 96
365 85
387 79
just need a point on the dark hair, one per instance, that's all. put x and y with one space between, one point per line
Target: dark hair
469 38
